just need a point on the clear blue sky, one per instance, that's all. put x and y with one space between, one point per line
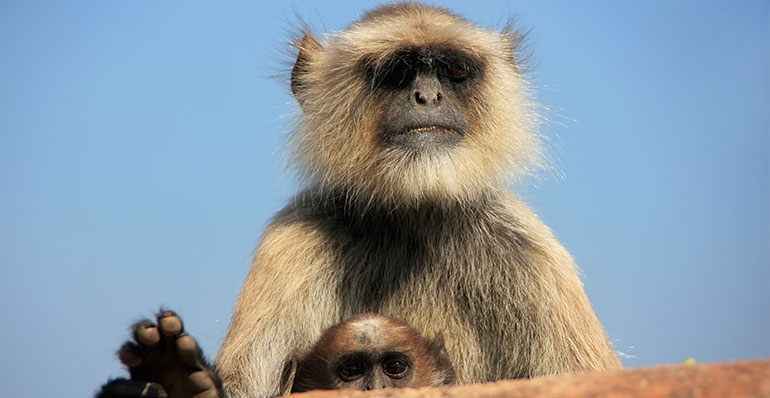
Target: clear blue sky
140 161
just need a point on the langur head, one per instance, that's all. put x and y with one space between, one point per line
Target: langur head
371 352
412 103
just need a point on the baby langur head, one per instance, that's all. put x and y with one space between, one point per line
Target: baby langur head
371 352
412 103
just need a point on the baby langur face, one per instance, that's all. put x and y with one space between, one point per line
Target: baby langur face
373 369
371 352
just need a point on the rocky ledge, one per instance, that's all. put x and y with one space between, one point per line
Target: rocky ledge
746 379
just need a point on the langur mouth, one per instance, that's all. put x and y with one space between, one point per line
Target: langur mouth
434 128
425 139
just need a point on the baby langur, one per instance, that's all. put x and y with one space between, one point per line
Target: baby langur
163 361
371 352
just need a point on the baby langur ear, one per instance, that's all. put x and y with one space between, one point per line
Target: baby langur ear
445 372
437 345
307 48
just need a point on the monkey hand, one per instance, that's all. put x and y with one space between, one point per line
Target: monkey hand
163 362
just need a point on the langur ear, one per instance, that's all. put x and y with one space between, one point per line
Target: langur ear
437 345
308 47
443 363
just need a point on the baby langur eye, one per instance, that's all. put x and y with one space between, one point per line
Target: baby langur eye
458 71
350 370
394 368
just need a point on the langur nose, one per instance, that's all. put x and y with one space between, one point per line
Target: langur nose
427 97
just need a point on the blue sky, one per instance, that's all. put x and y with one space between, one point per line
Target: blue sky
140 161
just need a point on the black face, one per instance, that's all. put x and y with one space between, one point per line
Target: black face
424 89
371 371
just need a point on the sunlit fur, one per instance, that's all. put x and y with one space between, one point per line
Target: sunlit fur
433 240
335 144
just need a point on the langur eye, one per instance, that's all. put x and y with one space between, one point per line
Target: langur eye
350 370
458 71
396 74
394 368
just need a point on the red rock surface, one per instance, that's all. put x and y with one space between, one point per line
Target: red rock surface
748 379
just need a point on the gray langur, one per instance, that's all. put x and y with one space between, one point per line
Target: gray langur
372 352
413 122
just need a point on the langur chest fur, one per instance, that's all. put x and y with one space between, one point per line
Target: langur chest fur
403 262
